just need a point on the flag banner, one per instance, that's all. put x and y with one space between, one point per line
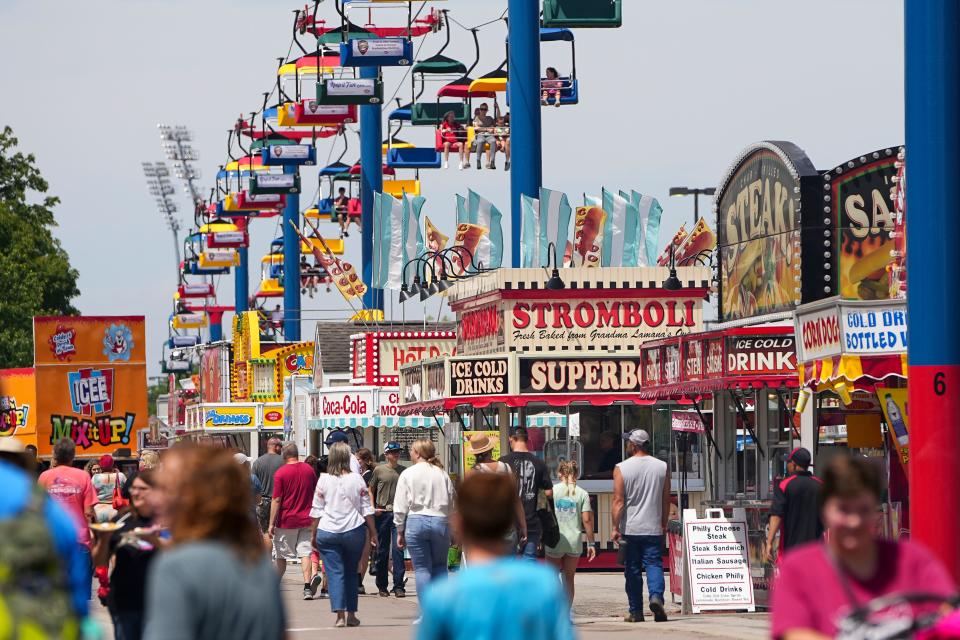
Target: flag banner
530 231
700 239
436 239
468 236
391 241
412 233
619 232
592 201
676 243
588 235
344 275
376 277
482 212
555 217
462 215
650 214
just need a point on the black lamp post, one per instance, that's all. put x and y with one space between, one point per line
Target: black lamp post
672 283
678 192
555 283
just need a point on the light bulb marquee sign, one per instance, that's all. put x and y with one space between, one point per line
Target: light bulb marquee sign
767 221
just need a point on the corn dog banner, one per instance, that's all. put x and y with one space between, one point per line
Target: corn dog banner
862 209
344 275
477 210
588 235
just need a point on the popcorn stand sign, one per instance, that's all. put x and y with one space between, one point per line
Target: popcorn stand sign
93 374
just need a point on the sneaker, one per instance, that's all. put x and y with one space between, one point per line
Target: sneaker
307 593
506 166
324 593
361 590
557 103
656 606
463 166
315 584
492 165
446 165
399 593
340 623
353 621
384 594
478 163
633 616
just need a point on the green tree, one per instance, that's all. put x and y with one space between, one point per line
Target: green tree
35 274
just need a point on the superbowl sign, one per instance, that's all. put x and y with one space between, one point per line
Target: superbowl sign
758 208
97 397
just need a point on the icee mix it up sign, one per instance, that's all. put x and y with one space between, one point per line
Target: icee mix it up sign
97 396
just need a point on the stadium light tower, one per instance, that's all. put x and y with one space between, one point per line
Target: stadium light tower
175 141
162 190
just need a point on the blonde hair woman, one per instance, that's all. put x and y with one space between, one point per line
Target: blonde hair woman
421 507
342 517
574 515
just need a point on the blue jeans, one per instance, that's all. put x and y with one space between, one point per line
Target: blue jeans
127 625
528 551
428 538
643 553
341 555
387 547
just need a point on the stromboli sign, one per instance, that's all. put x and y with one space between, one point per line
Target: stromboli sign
604 323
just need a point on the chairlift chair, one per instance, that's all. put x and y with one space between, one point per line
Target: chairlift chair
588 14
568 86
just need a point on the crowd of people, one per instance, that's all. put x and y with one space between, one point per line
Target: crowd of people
199 539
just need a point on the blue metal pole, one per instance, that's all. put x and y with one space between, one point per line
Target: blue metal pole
216 331
291 264
241 283
371 180
526 170
933 172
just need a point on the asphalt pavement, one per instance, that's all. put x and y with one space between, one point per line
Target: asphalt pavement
599 609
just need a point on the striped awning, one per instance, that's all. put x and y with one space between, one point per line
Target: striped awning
858 372
542 420
375 422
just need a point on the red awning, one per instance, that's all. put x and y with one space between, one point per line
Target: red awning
692 388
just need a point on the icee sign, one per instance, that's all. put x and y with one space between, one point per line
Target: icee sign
717 562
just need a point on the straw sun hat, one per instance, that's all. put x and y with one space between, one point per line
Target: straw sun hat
480 443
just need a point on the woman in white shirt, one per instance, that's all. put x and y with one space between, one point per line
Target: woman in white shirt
342 515
421 506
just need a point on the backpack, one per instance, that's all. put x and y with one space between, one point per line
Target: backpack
34 591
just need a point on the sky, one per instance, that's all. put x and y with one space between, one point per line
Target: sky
669 99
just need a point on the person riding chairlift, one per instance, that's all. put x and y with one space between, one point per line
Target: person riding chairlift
454 136
550 87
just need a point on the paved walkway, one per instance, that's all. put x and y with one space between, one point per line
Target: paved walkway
599 609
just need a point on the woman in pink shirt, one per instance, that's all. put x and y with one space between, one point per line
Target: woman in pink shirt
821 584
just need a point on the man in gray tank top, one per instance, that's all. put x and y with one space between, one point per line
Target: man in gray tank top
641 504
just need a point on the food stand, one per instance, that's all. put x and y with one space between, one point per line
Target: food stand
570 355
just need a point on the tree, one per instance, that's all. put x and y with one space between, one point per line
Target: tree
35 274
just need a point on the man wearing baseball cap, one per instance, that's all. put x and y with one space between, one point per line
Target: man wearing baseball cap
641 506
383 488
795 511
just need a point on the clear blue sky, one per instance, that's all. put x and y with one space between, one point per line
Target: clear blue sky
667 100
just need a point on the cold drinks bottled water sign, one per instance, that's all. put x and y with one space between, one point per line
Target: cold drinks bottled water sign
717 562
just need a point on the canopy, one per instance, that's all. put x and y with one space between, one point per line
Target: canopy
461 88
492 82
334 169
858 372
440 64
375 422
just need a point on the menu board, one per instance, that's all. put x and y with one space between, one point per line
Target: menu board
717 562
